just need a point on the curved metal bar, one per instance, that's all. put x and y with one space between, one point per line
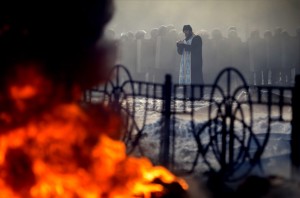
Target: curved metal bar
225 113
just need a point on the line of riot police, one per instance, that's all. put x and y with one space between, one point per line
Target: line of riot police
272 58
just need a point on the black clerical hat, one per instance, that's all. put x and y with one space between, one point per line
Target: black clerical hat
187 27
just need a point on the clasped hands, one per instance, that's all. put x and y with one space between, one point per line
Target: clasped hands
179 43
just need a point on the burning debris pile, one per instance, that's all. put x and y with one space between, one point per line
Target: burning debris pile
64 152
50 146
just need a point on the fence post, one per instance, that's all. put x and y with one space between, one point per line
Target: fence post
295 134
164 155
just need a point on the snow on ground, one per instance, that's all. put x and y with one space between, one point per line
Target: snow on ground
275 158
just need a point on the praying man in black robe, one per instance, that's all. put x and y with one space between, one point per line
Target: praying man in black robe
190 50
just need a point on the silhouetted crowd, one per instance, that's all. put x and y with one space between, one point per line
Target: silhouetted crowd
272 58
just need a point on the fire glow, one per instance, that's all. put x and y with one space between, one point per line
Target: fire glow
66 152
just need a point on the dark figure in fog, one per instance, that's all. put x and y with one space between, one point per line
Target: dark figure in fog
152 53
145 56
169 51
277 56
207 56
122 48
190 50
130 54
287 57
267 56
172 56
218 54
255 57
234 44
160 49
141 55
170 27
236 54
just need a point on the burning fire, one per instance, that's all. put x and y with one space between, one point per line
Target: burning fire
66 150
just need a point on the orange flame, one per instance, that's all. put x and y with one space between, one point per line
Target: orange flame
61 153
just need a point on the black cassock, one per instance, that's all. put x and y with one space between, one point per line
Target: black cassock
196 58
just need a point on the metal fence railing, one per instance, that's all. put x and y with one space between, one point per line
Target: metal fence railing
223 128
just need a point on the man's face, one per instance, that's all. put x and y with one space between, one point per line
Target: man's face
187 33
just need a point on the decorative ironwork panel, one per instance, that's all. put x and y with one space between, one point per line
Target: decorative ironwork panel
135 100
197 128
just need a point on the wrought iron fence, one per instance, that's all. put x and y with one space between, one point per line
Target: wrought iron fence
197 128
